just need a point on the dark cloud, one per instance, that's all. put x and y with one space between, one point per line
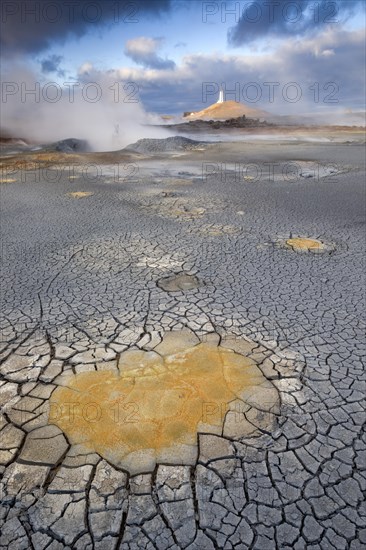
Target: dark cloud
32 25
143 51
280 18
51 64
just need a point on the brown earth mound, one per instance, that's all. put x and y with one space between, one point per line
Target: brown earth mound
225 110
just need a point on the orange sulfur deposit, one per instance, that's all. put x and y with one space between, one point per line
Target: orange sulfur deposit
300 243
151 409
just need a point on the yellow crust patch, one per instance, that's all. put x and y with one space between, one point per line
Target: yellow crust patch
300 243
153 406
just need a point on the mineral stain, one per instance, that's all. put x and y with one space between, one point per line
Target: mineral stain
300 243
152 408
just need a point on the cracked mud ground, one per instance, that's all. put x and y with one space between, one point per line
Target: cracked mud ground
81 296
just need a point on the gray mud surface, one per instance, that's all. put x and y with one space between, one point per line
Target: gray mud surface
80 286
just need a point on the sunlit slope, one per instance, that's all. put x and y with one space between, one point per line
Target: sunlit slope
226 110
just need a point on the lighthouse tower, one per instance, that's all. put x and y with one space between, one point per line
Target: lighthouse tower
221 96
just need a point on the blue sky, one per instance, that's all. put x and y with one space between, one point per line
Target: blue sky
169 52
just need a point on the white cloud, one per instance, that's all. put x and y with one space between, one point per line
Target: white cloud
143 51
85 68
332 56
327 53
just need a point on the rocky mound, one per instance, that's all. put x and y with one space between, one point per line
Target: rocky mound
70 145
176 143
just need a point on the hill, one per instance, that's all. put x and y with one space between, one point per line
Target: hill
226 110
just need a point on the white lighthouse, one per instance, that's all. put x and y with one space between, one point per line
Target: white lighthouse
221 96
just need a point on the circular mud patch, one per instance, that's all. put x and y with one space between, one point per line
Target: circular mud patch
300 244
174 208
179 283
308 169
304 245
152 408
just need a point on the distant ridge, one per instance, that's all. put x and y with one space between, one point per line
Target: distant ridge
226 110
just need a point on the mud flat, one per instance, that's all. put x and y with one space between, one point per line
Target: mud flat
148 294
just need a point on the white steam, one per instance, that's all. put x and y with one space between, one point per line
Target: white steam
105 112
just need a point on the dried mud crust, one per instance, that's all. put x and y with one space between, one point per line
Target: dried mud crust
212 401
152 408
81 291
